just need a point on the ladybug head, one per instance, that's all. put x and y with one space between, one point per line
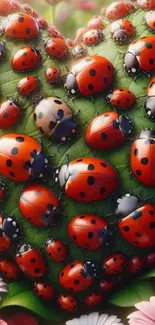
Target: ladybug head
51 218
125 125
24 249
62 175
126 204
39 166
65 130
150 107
120 36
48 242
131 64
11 228
71 85
90 269
147 134
106 236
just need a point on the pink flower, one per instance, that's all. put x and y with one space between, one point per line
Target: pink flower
2 322
145 314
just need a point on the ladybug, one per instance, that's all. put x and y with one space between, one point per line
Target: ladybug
52 31
95 23
79 35
2 50
44 290
150 259
25 59
55 119
30 261
29 10
121 99
119 9
79 50
87 179
39 206
21 158
146 4
89 76
108 130
77 276
69 42
10 269
10 112
53 76
114 264
93 299
135 265
43 24
92 37
137 224
57 250
89 231
150 20
28 85
150 102
5 243
142 158
140 56
106 285
3 189
57 47
11 228
122 30
21 26
67 302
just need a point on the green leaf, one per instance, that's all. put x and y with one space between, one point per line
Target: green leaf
148 275
133 293
20 295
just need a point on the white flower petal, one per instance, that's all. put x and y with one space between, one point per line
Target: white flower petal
74 321
3 290
83 320
93 318
102 319
111 320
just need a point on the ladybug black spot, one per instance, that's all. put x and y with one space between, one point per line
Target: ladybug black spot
51 125
92 73
37 270
90 87
136 152
74 237
114 259
60 113
148 45
136 242
103 136
91 180
28 31
14 32
109 67
93 221
76 281
138 234
20 139
62 274
59 249
27 165
126 228
12 174
9 162
151 212
151 61
33 154
6 115
152 225
90 235
40 115
72 265
91 167
82 194
118 102
21 19
14 151
138 172
102 190
103 165
135 215
144 161
33 260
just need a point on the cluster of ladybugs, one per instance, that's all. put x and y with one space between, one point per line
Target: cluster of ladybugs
84 179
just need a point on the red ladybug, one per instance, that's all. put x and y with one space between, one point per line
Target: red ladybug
146 4
30 261
106 285
108 130
150 102
87 179
28 85
89 76
77 276
93 299
89 231
43 24
10 269
67 302
136 264
114 264
92 37
150 259
25 59
5 242
95 23
57 48
53 76
29 10
21 158
137 225
3 189
140 56
143 158
10 112
79 50
57 250
21 26
44 290
151 88
119 9
121 99
2 50
39 206
52 31
149 20
122 30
